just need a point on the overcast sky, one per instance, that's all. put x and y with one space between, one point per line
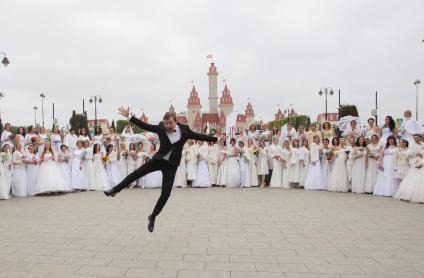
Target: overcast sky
146 53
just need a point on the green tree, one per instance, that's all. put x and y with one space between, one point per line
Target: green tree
78 121
348 110
296 120
121 124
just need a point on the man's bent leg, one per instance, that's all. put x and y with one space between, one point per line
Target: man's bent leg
148 167
168 176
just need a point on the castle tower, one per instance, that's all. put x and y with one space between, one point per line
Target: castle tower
250 113
226 102
171 109
213 89
193 106
279 115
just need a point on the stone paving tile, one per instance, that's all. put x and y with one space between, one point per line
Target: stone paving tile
213 233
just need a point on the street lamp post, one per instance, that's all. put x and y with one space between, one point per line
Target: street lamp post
35 115
416 83
326 91
5 61
95 99
43 96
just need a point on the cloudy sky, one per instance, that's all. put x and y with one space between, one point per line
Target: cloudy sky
146 53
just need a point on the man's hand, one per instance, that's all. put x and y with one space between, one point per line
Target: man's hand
124 112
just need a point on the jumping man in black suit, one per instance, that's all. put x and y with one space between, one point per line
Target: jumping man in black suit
172 136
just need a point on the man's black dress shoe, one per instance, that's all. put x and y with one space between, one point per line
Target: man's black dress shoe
151 225
110 192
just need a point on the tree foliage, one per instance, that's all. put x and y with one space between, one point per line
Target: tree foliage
296 120
78 121
348 110
121 124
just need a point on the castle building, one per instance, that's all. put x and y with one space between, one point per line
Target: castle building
216 114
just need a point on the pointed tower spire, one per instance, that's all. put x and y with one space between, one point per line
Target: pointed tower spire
213 88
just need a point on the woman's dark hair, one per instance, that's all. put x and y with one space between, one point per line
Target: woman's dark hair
358 143
30 128
307 142
335 141
392 123
406 142
23 131
326 124
388 139
371 119
154 146
325 140
97 130
297 141
376 136
109 149
232 140
62 146
95 148
132 145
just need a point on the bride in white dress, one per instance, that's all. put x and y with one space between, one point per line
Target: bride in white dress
222 162
262 167
132 161
64 164
77 177
42 139
386 184
32 161
49 177
412 186
112 168
87 166
244 165
101 181
5 176
141 157
304 160
389 129
276 153
338 175
232 173
19 177
153 179
373 149
202 173
359 165
122 160
314 178
181 175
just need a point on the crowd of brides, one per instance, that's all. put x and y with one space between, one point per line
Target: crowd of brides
384 161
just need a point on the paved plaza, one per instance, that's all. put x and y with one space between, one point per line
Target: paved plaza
214 233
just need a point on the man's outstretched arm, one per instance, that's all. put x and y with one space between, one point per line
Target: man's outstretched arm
202 137
126 113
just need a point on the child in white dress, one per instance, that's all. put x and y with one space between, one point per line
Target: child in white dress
326 157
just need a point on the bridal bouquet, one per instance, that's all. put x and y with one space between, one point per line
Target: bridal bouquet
380 166
241 153
105 158
4 156
84 154
255 151
12 137
125 154
67 158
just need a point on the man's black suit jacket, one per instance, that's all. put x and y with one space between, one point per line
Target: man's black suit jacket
165 144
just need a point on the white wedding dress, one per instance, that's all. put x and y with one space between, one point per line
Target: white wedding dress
19 177
49 177
372 170
232 173
202 173
358 169
77 177
386 184
314 179
338 175
5 179
101 181
305 157
112 170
